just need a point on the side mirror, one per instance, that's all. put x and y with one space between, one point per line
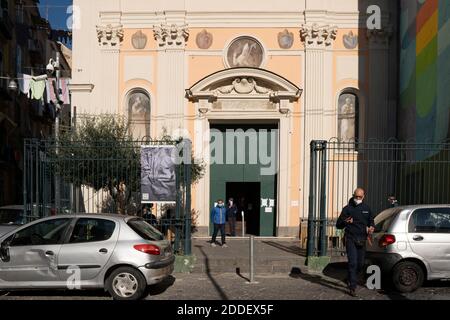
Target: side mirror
4 251
4 248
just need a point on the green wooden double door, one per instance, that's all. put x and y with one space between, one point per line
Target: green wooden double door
251 183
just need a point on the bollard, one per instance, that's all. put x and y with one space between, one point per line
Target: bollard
243 224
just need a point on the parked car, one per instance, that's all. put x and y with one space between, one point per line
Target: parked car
10 218
412 244
122 254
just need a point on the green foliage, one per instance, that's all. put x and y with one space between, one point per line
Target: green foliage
101 153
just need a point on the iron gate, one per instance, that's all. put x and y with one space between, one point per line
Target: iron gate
104 179
416 173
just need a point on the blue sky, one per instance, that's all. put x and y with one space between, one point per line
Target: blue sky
56 12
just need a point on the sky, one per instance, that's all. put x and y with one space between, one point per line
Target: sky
56 12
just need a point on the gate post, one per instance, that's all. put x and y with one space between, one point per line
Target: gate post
187 209
323 198
317 218
312 190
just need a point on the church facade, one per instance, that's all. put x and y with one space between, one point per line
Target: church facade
266 73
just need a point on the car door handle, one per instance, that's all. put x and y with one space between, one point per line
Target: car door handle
49 253
103 250
418 238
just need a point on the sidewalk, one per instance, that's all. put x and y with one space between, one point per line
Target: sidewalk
271 256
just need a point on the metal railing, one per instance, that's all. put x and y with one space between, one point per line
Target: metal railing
100 177
416 173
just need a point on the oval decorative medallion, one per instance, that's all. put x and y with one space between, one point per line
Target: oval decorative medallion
244 52
139 40
285 39
350 41
204 39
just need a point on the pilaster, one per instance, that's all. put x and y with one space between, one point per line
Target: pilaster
171 41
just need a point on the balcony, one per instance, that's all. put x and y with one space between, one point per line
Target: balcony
6 25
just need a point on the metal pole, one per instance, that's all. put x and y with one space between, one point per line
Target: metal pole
57 181
243 223
252 262
312 201
24 179
187 212
323 197
177 210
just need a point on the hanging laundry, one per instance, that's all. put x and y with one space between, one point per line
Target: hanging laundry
38 86
65 94
51 90
24 83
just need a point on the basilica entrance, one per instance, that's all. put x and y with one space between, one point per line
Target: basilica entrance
244 166
243 129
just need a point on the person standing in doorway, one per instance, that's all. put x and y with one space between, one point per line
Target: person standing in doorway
357 220
218 216
231 216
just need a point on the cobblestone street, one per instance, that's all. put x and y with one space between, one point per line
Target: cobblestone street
230 286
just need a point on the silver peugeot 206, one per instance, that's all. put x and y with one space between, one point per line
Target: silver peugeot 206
411 244
122 254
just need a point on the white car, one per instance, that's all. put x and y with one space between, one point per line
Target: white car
412 244
122 254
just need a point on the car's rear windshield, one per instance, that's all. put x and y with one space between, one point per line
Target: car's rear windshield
145 230
8 216
384 220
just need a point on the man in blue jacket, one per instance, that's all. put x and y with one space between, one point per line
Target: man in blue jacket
357 219
218 216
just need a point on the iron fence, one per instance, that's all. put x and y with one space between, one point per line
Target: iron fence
101 177
416 173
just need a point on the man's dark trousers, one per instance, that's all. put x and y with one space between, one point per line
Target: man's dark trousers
232 222
355 257
216 230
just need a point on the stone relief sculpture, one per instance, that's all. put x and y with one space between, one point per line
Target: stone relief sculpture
347 108
245 52
285 39
243 86
139 40
204 39
110 35
139 113
171 36
318 35
350 40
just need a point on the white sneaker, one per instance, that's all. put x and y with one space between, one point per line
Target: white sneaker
224 245
213 244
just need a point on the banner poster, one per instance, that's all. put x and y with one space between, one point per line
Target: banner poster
158 174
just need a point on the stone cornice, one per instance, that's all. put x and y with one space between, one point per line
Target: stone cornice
315 36
110 35
171 37
81 87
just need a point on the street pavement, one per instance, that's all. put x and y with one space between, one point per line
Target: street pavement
229 286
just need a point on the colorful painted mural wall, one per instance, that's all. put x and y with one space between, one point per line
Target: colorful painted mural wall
424 115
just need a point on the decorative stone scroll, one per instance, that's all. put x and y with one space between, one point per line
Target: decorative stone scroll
243 86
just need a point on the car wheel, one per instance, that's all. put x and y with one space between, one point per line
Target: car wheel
407 276
126 283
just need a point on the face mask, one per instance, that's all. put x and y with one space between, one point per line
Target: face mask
231 203
357 201
220 204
